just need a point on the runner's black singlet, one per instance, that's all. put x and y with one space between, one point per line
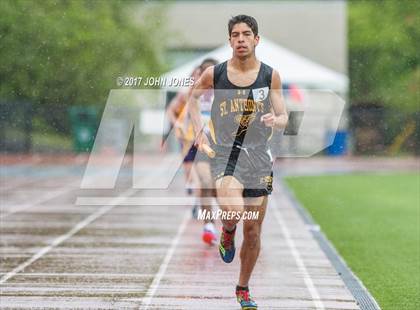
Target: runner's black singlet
236 111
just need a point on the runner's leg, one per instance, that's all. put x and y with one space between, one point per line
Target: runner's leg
206 186
206 192
252 238
229 197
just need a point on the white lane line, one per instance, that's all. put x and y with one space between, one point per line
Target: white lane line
91 289
61 191
162 269
151 201
50 195
70 233
296 255
14 185
95 275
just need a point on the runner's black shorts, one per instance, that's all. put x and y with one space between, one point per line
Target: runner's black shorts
252 167
192 152
194 155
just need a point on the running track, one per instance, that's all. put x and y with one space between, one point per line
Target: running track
59 254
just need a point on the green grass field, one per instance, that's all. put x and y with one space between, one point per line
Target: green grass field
373 220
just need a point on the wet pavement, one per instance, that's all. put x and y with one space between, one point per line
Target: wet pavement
59 254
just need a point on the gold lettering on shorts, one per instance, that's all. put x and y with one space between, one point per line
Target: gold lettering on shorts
223 110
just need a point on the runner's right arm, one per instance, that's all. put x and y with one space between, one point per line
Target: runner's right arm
174 106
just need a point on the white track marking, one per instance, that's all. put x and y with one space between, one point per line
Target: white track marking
5 188
94 275
162 269
51 195
97 289
151 201
70 233
296 255
61 191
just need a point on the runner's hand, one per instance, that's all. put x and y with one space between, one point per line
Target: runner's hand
200 140
268 119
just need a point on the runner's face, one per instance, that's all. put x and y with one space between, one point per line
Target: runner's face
242 40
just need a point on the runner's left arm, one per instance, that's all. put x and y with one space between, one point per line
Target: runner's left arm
278 118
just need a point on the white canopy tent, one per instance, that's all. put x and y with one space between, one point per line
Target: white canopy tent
293 68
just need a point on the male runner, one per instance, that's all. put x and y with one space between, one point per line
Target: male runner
178 116
202 163
247 106
199 174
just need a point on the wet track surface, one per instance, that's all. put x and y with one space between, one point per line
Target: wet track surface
58 254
